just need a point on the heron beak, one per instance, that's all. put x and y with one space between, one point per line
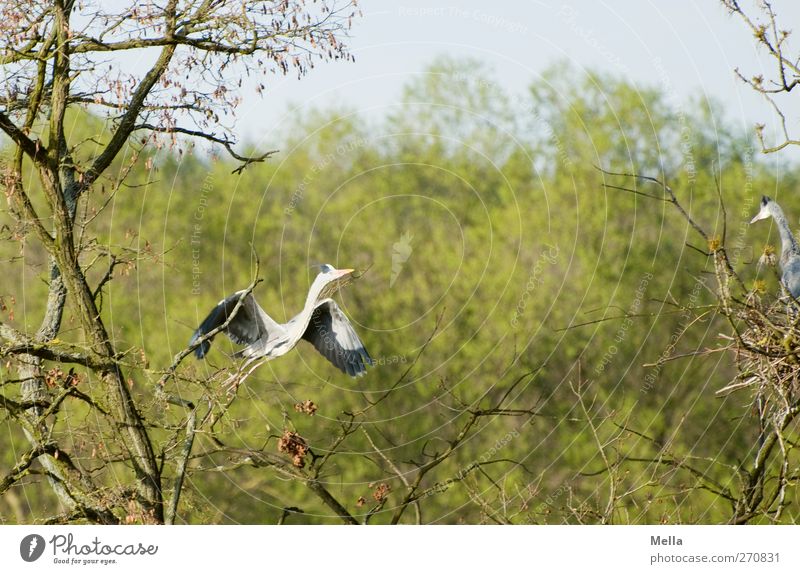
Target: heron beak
761 215
344 272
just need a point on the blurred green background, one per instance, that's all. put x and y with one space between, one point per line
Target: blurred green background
484 208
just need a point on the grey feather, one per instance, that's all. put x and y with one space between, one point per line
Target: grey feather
321 322
790 251
250 324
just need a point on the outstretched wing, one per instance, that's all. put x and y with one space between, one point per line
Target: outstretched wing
249 325
334 337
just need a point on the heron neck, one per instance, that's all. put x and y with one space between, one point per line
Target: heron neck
313 294
788 243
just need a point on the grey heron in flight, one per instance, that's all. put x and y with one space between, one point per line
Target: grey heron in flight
321 322
790 252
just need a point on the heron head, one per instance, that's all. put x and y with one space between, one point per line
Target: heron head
766 209
332 273
333 279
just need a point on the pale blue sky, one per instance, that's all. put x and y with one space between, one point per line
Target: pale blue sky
686 47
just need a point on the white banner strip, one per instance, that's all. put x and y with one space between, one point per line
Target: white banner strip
377 549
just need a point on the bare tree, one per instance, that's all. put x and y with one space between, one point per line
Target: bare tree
774 39
107 436
60 55
760 335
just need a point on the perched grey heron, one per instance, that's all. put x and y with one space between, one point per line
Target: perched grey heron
790 252
321 323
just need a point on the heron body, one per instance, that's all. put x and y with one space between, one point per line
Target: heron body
321 322
790 252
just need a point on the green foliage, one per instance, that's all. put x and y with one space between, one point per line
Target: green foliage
484 209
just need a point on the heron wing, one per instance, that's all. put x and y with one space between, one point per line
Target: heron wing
250 324
334 337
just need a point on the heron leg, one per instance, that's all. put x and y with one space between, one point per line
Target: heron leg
241 374
231 384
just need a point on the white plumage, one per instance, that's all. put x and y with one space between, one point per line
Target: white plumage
321 322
